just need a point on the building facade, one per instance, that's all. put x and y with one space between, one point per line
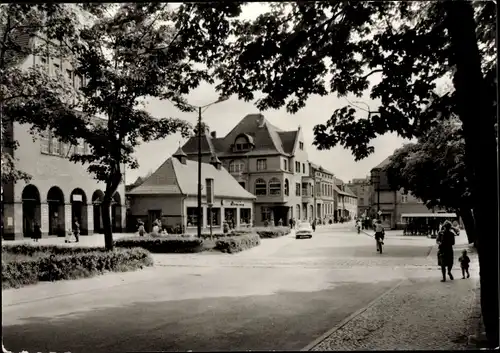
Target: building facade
60 191
363 189
268 162
346 202
170 194
324 193
390 205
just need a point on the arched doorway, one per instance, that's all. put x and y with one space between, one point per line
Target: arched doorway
55 199
79 209
116 213
31 209
97 198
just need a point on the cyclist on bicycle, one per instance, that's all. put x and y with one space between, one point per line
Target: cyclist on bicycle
379 233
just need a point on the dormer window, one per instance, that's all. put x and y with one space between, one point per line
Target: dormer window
243 143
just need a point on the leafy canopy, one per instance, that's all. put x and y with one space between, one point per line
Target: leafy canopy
300 49
433 169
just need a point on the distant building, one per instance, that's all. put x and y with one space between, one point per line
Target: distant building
363 189
346 201
324 194
394 205
170 194
266 161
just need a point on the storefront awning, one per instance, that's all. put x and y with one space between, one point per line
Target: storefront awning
428 215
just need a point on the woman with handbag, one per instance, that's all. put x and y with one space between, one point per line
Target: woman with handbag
446 240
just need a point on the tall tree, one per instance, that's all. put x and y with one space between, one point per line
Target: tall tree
128 53
301 49
433 170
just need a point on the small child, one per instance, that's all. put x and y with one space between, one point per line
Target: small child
464 264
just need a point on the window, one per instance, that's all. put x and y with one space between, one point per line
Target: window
404 198
192 216
287 187
265 213
260 187
236 167
297 189
285 164
301 145
45 63
297 212
303 167
215 216
243 184
297 167
45 142
304 189
274 187
261 164
245 215
318 189
55 146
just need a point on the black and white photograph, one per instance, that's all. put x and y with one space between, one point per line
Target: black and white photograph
249 176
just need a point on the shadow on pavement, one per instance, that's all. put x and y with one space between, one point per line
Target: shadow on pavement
281 321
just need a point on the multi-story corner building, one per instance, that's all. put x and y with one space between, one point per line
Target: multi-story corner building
266 161
324 197
363 189
346 203
395 207
60 191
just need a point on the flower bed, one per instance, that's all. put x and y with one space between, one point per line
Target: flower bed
165 244
268 233
237 243
24 264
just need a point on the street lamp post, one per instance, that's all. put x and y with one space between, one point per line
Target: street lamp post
199 213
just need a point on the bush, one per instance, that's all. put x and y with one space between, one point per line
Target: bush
19 268
273 232
233 244
164 244
31 250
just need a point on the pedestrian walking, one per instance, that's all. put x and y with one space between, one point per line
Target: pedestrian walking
313 225
141 229
37 232
446 241
76 229
464 263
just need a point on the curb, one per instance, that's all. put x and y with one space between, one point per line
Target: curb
349 318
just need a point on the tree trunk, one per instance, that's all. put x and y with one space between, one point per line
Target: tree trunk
469 225
481 153
106 223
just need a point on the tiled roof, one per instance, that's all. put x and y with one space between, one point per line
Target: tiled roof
383 163
173 177
267 138
318 167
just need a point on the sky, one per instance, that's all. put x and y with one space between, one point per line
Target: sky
222 117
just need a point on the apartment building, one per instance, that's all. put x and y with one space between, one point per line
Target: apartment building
268 162
324 197
363 189
60 191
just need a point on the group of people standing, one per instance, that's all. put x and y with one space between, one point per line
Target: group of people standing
73 233
157 229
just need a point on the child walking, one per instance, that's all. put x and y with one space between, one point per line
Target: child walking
464 264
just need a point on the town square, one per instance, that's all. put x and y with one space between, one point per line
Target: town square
222 176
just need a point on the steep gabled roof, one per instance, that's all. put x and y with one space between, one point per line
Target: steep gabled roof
383 163
175 178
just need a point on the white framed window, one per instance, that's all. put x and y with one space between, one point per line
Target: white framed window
287 187
260 187
274 187
297 189
45 142
236 167
301 145
285 164
261 164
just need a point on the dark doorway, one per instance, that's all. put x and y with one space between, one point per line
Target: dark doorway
281 212
97 198
79 210
57 220
116 213
153 215
31 209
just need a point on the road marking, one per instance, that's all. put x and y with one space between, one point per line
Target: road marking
349 318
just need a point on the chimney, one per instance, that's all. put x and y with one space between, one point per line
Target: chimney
213 134
216 162
180 155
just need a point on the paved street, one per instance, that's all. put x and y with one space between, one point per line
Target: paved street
282 295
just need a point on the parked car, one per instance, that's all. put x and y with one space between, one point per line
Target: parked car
304 230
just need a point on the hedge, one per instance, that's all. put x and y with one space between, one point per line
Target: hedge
30 250
24 266
165 244
273 232
233 244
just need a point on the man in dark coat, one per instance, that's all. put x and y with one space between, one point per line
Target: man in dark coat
446 241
